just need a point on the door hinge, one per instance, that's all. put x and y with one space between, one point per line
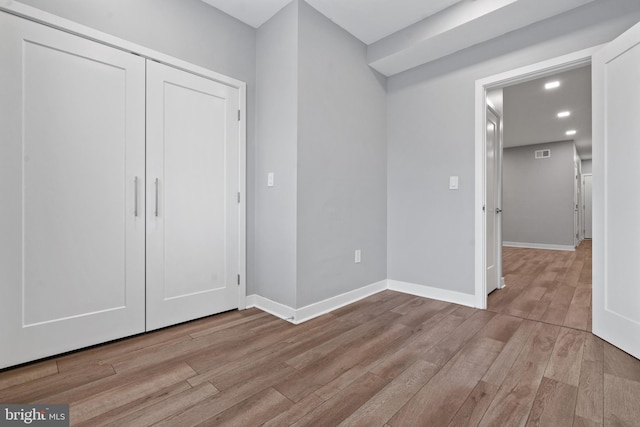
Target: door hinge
238 280
238 197
238 115
483 208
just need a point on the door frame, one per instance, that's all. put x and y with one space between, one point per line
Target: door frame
577 195
482 86
584 206
48 19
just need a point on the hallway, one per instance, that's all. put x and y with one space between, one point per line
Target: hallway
546 285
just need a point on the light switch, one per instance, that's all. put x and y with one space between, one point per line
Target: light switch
453 183
270 179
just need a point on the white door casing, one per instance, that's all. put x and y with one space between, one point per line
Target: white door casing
588 205
616 208
72 151
482 86
576 201
193 228
493 205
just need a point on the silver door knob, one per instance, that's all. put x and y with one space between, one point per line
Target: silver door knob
498 210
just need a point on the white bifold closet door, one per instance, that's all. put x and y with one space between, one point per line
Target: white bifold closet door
72 170
192 196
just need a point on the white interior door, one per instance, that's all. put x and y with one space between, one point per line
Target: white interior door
493 205
587 206
71 149
616 229
192 196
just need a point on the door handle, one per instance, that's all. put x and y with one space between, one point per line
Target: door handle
157 184
498 210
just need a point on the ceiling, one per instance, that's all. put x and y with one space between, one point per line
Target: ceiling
251 12
403 34
530 111
367 20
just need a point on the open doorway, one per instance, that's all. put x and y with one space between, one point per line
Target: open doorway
546 133
483 87
615 128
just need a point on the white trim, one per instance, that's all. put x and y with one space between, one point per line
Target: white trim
242 188
539 246
540 69
584 207
318 309
265 304
50 20
432 293
300 315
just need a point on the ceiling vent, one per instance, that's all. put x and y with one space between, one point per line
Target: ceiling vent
543 154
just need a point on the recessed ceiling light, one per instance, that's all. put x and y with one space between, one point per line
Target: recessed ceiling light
563 114
571 132
552 85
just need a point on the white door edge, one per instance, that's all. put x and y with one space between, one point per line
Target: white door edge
615 302
584 213
492 206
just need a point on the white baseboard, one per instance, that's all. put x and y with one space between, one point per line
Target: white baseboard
265 304
539 246
433 293
314 310
311 311
300 315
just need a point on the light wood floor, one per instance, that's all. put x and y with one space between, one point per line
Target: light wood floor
549 286
391 359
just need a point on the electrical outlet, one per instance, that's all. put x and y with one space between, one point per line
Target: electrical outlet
270 179
358 256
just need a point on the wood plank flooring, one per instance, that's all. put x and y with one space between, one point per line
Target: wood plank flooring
388 360
546 285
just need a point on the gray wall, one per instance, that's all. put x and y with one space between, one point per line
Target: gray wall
321 130
431 117
537 194
341 162
189 30
277 148
586 166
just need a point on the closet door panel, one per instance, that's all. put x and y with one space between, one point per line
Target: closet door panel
192 241
193 194
73 150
